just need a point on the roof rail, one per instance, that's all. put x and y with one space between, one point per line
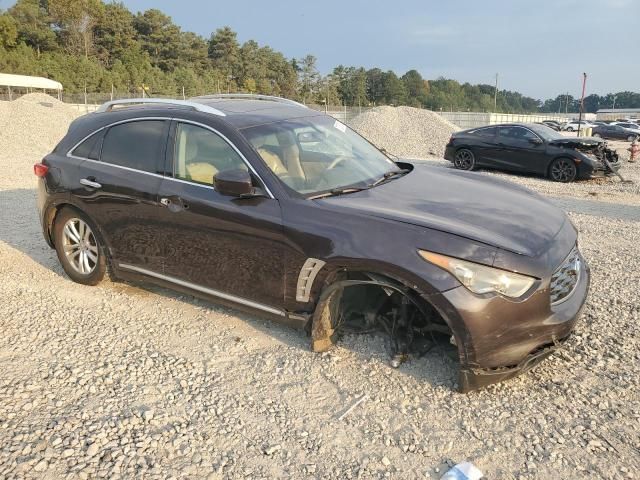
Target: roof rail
108 106
249 96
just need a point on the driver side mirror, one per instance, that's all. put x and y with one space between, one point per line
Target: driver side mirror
536 141
235 183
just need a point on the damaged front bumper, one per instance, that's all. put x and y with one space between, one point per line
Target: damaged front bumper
475 378
498 339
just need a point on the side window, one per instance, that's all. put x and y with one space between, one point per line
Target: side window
518 133
136 145
90 148
486 132
200 153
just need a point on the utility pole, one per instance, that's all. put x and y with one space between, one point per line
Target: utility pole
495 95
614 103
584 85
566 103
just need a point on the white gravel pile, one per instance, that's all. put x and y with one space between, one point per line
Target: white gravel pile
32 125
405 131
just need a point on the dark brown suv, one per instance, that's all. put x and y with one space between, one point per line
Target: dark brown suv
264 204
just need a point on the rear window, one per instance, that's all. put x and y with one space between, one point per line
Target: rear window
135 145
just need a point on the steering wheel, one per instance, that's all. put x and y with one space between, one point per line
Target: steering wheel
339 159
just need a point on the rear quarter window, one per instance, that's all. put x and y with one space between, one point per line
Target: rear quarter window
138 145
89 148
485 132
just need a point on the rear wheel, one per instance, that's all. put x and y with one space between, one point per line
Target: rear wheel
597 135
570 129
78 247
464 159
563 170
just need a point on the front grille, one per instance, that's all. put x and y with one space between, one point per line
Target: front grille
565 278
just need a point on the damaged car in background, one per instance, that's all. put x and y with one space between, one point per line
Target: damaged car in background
266 205
534 149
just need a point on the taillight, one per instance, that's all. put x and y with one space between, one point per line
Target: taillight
40 169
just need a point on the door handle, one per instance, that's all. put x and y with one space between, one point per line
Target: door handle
174 205
90 183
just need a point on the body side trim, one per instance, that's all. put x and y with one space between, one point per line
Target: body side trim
208 291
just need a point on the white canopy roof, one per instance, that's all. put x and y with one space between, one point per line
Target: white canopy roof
9 80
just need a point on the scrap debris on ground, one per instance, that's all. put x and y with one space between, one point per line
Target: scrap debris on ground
122 381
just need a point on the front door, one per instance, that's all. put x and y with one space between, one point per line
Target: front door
519 149
119 182
226 246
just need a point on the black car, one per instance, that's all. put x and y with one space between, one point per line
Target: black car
531 148
267 205
614 132
552 124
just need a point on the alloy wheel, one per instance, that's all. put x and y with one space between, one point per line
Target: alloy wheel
80 246
563 170
464 159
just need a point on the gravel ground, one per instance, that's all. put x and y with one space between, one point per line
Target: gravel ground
122 381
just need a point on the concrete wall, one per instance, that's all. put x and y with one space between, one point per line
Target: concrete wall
479 119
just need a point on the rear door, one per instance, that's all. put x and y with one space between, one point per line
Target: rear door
224 246
119 189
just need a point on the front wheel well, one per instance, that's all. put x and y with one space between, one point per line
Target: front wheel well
567 157
356 302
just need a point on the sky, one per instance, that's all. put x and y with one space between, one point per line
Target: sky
538 47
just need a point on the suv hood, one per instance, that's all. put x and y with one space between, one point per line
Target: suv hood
469 205
573 142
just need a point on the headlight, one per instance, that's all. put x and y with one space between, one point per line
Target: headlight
480 278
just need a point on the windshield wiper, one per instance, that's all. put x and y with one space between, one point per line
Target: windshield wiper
337 191
388 176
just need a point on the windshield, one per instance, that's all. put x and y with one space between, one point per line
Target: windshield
545 132
318 154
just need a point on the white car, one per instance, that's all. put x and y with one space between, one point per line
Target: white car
572 126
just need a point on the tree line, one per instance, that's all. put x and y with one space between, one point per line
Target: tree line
97 46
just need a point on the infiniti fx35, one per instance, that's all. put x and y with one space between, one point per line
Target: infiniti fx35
263 204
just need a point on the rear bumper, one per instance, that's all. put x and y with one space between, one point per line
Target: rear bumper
449 152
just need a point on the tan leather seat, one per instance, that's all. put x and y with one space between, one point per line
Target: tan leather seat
201 172
291 154
273 161
196 170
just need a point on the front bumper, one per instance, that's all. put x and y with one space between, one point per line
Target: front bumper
499 338
475 378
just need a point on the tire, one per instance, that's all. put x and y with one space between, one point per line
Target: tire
597 135
79 247
464 159
570 129
563 170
